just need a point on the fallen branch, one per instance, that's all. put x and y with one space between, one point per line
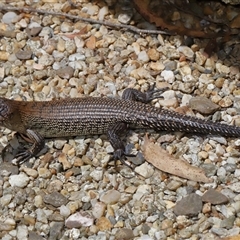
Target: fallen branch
89 20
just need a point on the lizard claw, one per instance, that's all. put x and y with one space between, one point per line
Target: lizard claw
152 93
22 156
121 155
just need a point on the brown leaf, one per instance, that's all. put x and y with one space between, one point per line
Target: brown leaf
143 7
162 160
75 34
236 22
183 18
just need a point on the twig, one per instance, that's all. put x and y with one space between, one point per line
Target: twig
89 20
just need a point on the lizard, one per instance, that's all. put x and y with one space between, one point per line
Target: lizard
37 120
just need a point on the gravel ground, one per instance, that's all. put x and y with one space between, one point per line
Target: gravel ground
71 191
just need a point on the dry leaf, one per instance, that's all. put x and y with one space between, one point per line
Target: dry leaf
91 42
162 160
75 34
153 15
191 18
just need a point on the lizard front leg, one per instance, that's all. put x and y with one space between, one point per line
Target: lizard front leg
38 143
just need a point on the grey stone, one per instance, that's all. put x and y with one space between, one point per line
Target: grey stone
228 222
55 199
124 233
190 205
209 169
34 236
55 230
214 197
24 54
203 105
66 72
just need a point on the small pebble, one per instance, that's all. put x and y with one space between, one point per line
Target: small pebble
189 206
9 17
79 219
174 185
143 56
22 232
235 187
64 211
24 55
21 180
103 224
55 199
124 18
31 172
5 200
186 51
110 197
145 170
99 209
168 76
44 173
225 102
97 174
214 197
124 233
203 105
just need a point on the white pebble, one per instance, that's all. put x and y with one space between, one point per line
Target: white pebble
102 13
22 23
235 187
9 17
142 190
168 76
34 25
64 211
22 232
5 199
221 172
38 201
110 197
21 180
185 100
76 57
169 94
77 220
188 52
142 56
98 209
124 18
237 173
145 170
97 174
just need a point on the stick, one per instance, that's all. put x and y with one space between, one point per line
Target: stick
89 20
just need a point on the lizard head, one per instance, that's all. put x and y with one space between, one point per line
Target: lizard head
10 116
5 110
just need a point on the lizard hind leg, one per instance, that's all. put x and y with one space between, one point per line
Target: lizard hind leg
114 134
